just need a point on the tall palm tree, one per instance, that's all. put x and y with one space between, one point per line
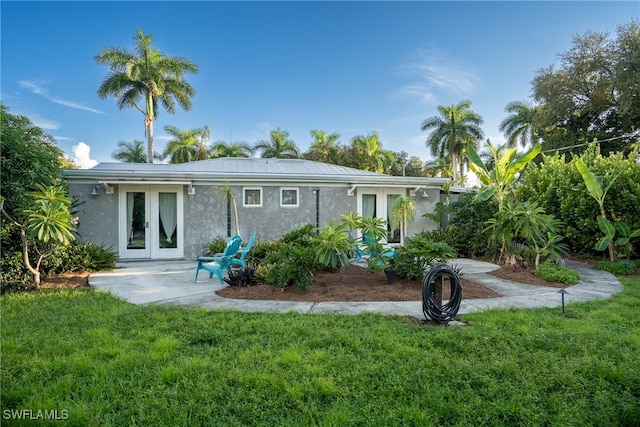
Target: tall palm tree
438 168
374 157
455 128
184 145
280 146
324 147
146 75
522 125
236 149
130 152
202 152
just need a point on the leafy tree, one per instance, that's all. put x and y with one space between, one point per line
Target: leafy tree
130 152
592 94
186 145
280 146
29 156
48 223
522 125
236 149
370 154
403 165
146 75
452 131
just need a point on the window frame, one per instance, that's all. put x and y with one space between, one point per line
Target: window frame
282 190
244 197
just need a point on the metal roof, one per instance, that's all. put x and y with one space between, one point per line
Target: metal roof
244 170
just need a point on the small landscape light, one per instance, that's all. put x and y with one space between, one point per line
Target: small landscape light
562 292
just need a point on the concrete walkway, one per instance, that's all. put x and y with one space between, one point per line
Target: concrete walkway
171 282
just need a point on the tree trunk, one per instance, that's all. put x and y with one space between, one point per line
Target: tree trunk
454 168
612 252
148 121
25 256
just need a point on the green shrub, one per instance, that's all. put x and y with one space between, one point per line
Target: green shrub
418 254
555 273
468 217
261 250
556 184
288 265
84 256
301 237
13 275
216 246
619 267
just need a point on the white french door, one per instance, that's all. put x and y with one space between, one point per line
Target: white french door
150 221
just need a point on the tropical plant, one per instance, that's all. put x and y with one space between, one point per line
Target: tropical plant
236 149
146 75
526 223
522 125
610 230
597 190
130 152
48 224
402 213
418 254
280 146
500 181
332 246
456 128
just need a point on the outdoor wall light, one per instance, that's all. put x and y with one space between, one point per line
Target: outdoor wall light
94 192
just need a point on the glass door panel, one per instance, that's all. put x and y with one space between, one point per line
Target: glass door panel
136 221
167 220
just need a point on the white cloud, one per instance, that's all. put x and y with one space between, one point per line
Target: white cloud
82 158
39 90
432 70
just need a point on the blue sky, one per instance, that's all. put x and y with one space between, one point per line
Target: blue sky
346 67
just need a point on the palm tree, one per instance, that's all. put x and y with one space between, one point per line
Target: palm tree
455 128
130 152
279 147
438 168
324 147
236 149
202 152
522 125
374 157
184 145
149 75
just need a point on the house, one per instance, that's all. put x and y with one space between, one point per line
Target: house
172 211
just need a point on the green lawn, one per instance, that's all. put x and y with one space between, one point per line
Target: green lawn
110 363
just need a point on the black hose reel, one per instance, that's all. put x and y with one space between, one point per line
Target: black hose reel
432 284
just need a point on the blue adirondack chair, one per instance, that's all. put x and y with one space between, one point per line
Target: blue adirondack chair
224 262
243 251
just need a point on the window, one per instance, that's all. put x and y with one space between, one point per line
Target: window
252 197
288 197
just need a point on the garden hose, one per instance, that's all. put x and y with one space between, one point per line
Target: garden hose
430 307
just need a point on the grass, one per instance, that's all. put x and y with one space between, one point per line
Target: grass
110 363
